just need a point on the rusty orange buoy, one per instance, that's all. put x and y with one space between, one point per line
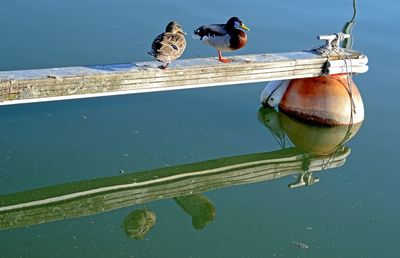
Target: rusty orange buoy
329 100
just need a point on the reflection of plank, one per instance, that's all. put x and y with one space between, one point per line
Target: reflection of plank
89 81
100 195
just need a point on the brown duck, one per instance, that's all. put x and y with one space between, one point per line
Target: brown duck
169 45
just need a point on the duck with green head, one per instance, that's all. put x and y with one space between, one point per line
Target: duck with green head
224 37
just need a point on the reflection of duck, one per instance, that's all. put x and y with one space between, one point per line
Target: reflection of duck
224 37
199 207
138 223
169 45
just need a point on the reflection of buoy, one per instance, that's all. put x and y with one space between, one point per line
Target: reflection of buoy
323 100
138 223
269 117
319 140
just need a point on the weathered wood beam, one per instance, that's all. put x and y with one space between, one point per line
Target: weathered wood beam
25 86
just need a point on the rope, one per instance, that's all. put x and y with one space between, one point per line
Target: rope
347 43
349 90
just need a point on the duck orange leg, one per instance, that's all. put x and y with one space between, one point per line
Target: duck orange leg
164 66
223 60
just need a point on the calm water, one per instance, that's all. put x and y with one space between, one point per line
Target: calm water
352 212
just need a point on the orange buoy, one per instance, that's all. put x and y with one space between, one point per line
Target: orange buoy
327 100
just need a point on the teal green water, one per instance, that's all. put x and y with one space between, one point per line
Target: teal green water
352 212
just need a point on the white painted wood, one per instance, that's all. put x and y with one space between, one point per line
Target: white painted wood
26 86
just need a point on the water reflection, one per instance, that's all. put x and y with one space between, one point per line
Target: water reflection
138 223
199 207
318 140
314 149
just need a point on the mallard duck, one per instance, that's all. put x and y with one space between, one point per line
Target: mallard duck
169 45
224 37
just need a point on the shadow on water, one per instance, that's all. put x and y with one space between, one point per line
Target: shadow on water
314 149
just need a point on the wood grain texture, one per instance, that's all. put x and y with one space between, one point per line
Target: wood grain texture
25 86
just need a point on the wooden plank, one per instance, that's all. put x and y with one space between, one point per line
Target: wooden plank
25 86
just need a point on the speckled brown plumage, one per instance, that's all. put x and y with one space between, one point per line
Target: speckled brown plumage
169 45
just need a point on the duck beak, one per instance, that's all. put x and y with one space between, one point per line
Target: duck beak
244 27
